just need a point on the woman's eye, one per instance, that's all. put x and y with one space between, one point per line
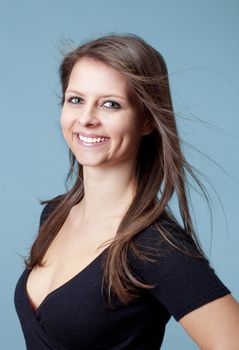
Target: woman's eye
75 100
108 104
112 104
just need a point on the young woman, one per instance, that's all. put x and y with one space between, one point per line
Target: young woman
110 263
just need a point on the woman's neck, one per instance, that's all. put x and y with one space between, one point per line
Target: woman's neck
107 192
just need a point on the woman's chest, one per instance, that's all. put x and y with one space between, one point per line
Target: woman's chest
76 315
67 256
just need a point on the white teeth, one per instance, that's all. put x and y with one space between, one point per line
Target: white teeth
92 140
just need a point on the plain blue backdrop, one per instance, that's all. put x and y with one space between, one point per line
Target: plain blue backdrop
199 40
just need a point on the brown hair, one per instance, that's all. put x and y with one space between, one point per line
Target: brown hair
160 167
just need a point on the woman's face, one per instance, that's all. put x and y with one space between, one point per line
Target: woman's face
101 124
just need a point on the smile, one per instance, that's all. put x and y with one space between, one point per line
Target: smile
91 141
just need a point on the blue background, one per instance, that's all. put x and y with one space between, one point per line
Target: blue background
199 41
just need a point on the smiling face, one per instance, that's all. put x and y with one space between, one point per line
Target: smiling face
100 120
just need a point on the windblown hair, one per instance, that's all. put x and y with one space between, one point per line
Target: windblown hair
160 167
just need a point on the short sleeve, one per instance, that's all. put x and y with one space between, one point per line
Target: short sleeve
182 282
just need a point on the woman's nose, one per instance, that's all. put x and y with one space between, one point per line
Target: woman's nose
87 115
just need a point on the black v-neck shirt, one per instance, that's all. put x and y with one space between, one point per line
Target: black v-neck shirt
75 317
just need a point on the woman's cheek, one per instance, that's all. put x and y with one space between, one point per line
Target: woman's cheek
64 127
65 122
62 120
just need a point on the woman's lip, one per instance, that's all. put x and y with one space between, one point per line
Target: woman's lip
90 144
90 135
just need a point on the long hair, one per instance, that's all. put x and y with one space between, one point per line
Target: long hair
160 168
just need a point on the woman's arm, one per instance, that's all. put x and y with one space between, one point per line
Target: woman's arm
215 325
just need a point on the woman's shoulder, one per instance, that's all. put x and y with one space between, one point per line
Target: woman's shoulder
166 236
49 206
182 278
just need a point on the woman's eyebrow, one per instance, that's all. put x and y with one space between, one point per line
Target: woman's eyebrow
107 95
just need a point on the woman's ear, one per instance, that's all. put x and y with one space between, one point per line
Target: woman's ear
148 126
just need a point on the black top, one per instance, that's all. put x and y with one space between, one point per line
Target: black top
74 316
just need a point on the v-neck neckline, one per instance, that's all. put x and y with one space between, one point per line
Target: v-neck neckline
61 287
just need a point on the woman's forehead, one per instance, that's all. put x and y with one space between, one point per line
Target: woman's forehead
90 74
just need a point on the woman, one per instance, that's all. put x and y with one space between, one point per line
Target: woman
110 263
